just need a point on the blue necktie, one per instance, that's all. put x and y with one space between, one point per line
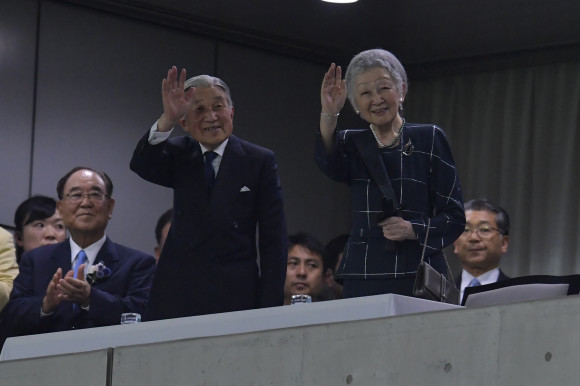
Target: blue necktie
474 282
81 259
209 170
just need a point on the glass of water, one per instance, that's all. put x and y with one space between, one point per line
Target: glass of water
130 318
300 299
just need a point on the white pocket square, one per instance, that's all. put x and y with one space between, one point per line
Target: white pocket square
244 189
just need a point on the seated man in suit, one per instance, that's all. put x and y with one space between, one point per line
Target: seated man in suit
86 280
226 193
484 241
8 266
306 272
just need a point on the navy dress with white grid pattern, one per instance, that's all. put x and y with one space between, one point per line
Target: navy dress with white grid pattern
425 181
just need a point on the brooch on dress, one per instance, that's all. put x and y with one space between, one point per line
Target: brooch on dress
408 148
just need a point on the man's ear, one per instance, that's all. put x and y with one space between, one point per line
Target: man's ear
183 124
505 240
328 277
111 206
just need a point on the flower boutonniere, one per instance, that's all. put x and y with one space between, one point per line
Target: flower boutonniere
97 273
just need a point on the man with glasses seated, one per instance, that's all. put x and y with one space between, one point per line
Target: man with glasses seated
483 242
87 280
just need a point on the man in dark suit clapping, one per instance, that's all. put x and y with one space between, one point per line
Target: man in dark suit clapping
85 281
224 190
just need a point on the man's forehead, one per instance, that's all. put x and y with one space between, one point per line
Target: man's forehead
201 101
479 216
84 177
302 253
211 94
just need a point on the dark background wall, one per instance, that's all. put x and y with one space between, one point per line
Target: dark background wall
81 86
80 82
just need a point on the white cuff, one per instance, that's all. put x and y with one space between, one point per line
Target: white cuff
156 137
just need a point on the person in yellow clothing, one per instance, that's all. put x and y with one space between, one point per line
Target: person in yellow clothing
8 266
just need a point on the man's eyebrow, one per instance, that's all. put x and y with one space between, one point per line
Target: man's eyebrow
91 189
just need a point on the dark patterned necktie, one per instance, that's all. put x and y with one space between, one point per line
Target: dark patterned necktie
209 170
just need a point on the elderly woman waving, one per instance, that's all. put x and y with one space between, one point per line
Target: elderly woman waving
401 175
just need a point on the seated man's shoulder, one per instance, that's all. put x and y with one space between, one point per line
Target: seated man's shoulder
132 254
44 253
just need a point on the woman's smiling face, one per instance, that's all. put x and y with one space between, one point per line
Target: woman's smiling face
377 97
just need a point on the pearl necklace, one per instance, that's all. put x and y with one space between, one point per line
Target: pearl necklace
382 145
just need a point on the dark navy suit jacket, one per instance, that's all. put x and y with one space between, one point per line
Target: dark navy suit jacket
209 260
125 290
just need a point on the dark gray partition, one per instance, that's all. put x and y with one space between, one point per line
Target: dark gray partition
17 63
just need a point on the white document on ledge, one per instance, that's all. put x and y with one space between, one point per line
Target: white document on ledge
516 293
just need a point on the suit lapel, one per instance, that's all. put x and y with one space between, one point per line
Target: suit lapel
61 256
231 173
107 254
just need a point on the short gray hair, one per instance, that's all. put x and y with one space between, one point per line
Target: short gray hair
502 218
369 59
209 81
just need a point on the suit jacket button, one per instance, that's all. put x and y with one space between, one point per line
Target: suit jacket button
235 225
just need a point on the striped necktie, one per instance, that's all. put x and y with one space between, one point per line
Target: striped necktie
81 259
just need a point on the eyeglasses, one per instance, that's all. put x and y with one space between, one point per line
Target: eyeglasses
483 231
94 197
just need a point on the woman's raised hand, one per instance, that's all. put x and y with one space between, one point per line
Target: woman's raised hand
333 91
176 101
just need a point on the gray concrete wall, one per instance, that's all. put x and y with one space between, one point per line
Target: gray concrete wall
532 343
87 369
